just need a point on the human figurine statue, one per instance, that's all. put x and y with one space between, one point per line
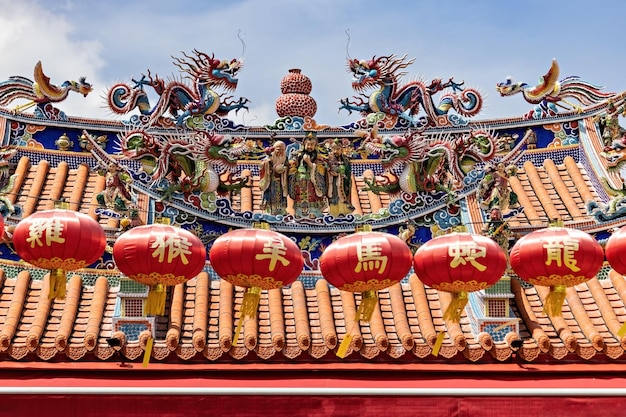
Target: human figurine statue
497 228
116 193
307 179
7 181
339 181
609 123
273 180
494 188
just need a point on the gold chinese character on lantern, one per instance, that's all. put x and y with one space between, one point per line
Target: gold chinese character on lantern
51 228
370 257
561 251
274 249
175 246
463 254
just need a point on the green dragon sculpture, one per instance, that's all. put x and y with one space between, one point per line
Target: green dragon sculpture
423 163
186 163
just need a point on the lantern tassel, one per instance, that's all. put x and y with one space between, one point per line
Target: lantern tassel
58 282
456 307
155 304
553 304
249 306
440 336
364 312
367 306
344 346
148 352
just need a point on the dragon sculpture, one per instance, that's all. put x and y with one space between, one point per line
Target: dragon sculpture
615 156
40 92
550 93
436 163
182 100
406 101
613 209
186 163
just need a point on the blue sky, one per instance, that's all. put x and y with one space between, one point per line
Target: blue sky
480 42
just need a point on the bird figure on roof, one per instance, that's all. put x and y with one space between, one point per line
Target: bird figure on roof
550 93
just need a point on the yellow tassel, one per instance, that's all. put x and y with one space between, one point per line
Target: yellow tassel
344 346
622 330
367 306
58 281
155 304
249 306
553 304
438 343
148 353
457 305
365 311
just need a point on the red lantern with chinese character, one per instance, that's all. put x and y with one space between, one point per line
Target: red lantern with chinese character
365 262
59 240
159 255
556 257
256 259
459 263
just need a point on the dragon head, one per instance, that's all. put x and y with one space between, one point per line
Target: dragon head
205 69
377 70
364 72
140 146
81 86
84 87
480 144
508 88
225 74
616 159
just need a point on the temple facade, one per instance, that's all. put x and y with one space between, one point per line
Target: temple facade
417 163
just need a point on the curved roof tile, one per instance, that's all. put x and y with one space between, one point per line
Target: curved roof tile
298 323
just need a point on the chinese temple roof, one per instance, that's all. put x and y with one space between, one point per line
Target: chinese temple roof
312 315
563 170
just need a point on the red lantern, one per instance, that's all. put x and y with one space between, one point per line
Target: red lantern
614 252
59 240
159 255
365 262
615 249
459 263
256 259
556 257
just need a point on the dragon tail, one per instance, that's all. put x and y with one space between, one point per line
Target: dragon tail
467 104
122 99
